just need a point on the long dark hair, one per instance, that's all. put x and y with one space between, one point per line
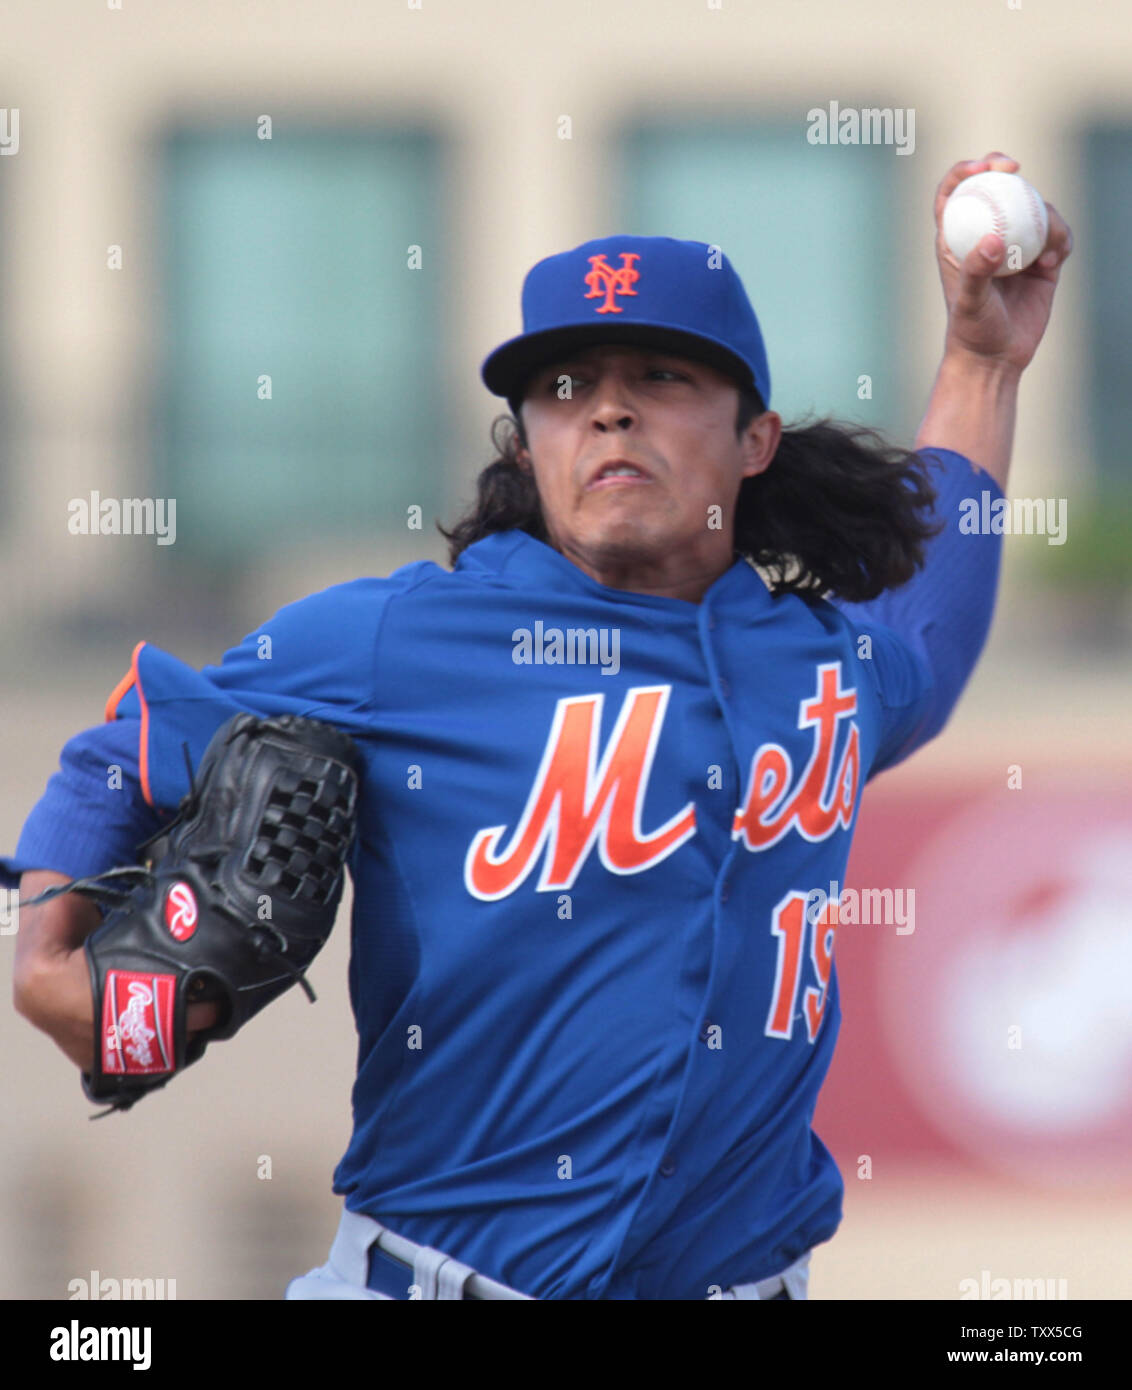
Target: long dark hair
839 511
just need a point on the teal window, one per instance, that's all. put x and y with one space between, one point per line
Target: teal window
290 259
1107 186
816 235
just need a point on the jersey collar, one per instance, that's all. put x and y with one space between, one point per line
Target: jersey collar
530 563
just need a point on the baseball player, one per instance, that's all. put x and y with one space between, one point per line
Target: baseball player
605 763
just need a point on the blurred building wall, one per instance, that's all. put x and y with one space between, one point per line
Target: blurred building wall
95 89
176 1189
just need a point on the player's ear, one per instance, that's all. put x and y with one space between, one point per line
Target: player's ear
522 452
760 443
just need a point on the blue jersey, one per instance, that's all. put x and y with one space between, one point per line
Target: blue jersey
594 1006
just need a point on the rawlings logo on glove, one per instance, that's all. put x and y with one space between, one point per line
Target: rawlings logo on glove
181 911
128 1033
236 898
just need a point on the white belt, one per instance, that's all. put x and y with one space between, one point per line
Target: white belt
794 1281
439 1276
435 1274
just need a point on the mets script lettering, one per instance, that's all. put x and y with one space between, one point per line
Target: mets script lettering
575 802
581 798
772 806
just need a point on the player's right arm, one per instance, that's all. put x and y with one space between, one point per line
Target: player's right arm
925 637
941 617
994 327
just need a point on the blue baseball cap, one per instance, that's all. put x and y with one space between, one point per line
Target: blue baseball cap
652 291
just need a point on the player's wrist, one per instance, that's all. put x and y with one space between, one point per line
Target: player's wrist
52 991
964 364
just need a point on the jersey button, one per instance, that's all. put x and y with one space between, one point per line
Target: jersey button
724 892
667 1167
725 687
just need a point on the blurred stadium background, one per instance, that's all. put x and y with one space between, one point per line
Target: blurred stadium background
489 136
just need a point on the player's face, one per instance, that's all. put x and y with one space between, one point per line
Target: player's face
668 528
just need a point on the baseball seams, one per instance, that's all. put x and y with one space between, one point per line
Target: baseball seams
1037 211
998 212
998 215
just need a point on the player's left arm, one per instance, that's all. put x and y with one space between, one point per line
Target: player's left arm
312 658
994 326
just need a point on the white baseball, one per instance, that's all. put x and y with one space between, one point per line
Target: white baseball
1001 203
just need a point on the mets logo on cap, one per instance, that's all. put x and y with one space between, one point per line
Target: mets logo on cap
603 280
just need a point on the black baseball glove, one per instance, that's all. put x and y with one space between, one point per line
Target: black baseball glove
236 897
